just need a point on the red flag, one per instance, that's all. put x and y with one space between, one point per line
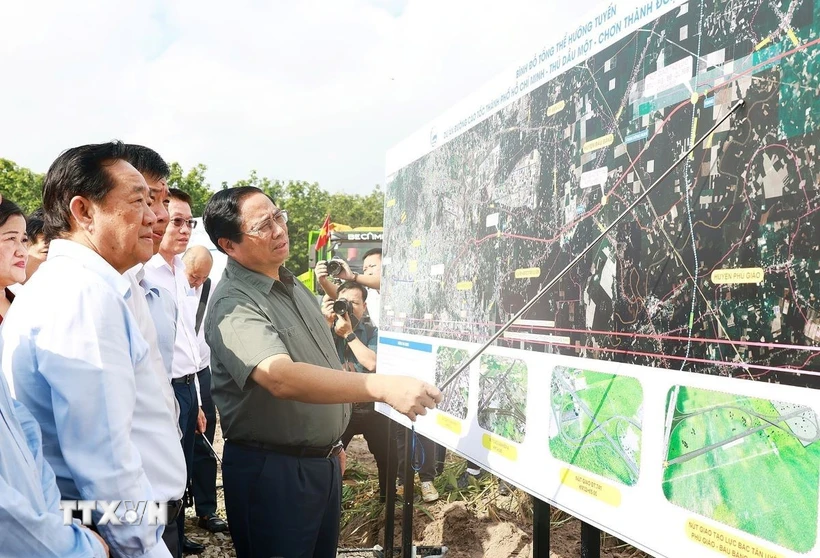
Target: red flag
324 234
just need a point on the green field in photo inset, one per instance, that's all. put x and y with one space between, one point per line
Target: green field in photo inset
502 397
752 464
595 422
454 401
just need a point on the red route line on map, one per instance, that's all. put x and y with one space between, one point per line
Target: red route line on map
809 348
742 365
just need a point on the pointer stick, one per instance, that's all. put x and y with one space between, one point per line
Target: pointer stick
210 447
586 250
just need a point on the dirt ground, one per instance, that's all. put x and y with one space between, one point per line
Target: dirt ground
486 525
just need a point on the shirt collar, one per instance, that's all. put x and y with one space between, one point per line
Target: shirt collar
157 261
258 280
91 260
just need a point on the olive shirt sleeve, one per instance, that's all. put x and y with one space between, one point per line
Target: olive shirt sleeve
240 337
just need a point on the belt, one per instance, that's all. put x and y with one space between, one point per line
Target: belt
189 379
325 452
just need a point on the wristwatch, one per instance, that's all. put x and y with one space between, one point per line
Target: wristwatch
350 337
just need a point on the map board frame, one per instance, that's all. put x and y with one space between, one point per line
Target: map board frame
689 426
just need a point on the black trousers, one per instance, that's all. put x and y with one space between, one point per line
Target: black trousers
376 428
204 470
188 411
281 506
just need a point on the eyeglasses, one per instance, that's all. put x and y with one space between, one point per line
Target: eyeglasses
178 222
265 227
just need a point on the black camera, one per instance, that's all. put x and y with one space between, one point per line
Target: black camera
334 267
341 307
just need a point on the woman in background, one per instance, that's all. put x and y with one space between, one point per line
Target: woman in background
13 252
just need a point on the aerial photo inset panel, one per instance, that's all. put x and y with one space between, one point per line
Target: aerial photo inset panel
749 463
717 268
596 422
454 397
502 397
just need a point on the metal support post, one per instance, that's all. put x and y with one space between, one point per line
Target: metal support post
390 499
590 541
407 508
540 528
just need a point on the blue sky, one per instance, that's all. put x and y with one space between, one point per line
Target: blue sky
310 90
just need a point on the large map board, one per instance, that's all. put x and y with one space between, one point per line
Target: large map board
666 389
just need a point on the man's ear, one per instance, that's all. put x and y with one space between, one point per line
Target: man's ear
226 245
82 211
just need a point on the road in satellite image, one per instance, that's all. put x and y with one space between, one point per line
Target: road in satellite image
750 463
717 272
596 422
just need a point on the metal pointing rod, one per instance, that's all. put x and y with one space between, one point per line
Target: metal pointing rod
586 250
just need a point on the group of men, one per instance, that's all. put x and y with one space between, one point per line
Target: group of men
107 349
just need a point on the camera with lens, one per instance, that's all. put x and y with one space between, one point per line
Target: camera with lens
341 307
334 267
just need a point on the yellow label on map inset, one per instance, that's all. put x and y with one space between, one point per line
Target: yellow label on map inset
598 143
726 543
403 216
763 43
599 490
556 108
391 202
412 265
793 37
737 275
499 446
464 285
416 243
527 272
449 423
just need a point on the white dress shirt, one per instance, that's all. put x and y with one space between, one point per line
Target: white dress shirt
204 349
374 301
145 320
84 370
186 347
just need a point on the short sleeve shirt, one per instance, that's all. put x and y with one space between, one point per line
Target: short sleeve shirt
250 318
368 335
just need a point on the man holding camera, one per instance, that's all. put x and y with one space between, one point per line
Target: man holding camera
356 342
370 278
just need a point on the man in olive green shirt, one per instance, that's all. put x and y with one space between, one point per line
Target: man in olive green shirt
277 382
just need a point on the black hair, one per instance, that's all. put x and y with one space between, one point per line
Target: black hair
9 209
34 224
147 161
79 171
179 195
372 252
222 216
350 285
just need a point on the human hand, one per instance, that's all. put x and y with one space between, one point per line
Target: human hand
201 422
342 461
100 539
327 310
321 271
410 396
343 327
346 274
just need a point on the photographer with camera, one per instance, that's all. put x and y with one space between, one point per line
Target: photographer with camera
356 342
370 278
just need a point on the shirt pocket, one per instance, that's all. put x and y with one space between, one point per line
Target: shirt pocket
293 339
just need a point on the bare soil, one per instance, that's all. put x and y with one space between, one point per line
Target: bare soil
477 524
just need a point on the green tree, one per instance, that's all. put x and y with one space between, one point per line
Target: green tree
20 185
193 183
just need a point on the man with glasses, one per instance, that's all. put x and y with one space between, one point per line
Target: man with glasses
282 395
167 270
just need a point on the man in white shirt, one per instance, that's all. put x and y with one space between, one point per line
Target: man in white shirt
79 360
167 270
156 311
198 265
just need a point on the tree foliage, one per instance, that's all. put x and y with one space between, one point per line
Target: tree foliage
20 185
306 202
